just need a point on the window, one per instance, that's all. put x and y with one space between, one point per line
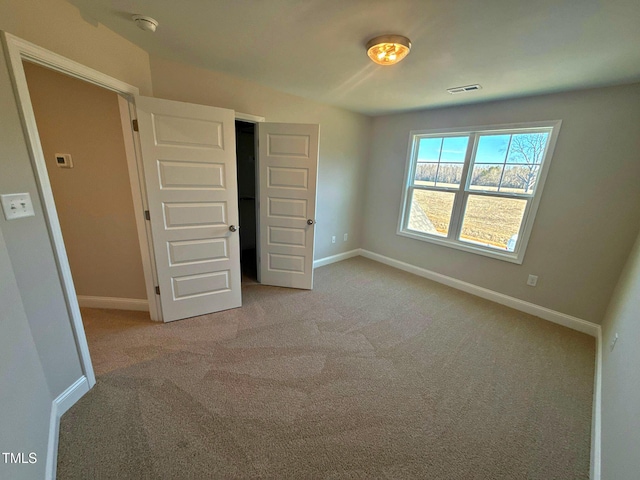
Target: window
477 189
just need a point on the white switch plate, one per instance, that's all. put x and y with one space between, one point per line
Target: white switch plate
17 205
532 281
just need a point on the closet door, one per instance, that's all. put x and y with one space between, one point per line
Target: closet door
288 168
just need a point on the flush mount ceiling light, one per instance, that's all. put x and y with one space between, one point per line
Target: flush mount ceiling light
145 23
388 49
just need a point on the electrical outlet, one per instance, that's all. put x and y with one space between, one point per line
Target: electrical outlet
333 239
613 342
346 235
532 281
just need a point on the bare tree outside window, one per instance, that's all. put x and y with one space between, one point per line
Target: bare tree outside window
526 151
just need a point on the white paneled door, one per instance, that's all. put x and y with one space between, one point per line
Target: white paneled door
189 159
288 166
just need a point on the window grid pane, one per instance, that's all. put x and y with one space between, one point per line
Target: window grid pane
430 211
439 161
508 163
493 222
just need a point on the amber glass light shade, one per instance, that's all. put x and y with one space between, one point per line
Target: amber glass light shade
388 49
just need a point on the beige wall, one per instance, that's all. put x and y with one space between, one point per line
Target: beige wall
93 198
621 377
588 217
344 140
57 26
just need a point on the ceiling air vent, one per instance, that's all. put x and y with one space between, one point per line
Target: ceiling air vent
465 89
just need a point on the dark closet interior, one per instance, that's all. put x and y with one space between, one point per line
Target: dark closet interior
246 155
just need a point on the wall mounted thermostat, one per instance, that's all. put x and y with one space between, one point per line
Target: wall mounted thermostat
63 160
17 205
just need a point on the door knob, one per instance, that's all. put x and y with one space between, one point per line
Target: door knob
310 222
233 228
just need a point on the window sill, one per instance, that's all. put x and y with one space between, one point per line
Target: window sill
512 257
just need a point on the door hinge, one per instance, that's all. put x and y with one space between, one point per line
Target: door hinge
158 290
147 215
135 125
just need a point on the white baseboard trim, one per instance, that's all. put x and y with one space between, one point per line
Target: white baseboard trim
527 307
114 303
596 416
58 407
336 258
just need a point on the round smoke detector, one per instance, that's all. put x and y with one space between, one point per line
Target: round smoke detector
145 23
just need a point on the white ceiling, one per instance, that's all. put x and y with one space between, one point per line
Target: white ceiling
315 48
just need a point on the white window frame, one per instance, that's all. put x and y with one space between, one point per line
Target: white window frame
462 192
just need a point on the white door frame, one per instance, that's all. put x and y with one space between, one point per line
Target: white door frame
19 50
248 118
140 204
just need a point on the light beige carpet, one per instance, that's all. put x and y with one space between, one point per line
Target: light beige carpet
375 373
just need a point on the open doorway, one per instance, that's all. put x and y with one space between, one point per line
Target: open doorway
247 203
80 130
82 133
81 136
84 149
